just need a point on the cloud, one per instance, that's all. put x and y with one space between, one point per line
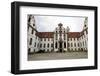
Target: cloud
49 23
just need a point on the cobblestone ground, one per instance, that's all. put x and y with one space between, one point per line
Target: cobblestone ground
54 56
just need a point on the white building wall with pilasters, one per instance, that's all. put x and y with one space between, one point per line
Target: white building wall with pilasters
73 44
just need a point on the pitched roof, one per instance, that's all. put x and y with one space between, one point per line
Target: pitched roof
45 34
50 34
73 34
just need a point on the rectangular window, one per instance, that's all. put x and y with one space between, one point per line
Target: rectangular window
44 39
68 45
51 45
56 45
32 31
78 44
64 44
35 44
30 41
41 39
64 37
52 39
33 24
44 45
75 44
48 45
68 39
71 44
86 32
48 39
40 45
29 49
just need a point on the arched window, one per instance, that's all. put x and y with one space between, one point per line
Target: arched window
64 44
56 45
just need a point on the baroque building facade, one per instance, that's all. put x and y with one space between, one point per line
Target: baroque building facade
60 40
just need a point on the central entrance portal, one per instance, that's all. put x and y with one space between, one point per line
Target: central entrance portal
60 47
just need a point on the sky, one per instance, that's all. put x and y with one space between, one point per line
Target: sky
49 23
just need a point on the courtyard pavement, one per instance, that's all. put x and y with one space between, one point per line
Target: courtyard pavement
55 56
